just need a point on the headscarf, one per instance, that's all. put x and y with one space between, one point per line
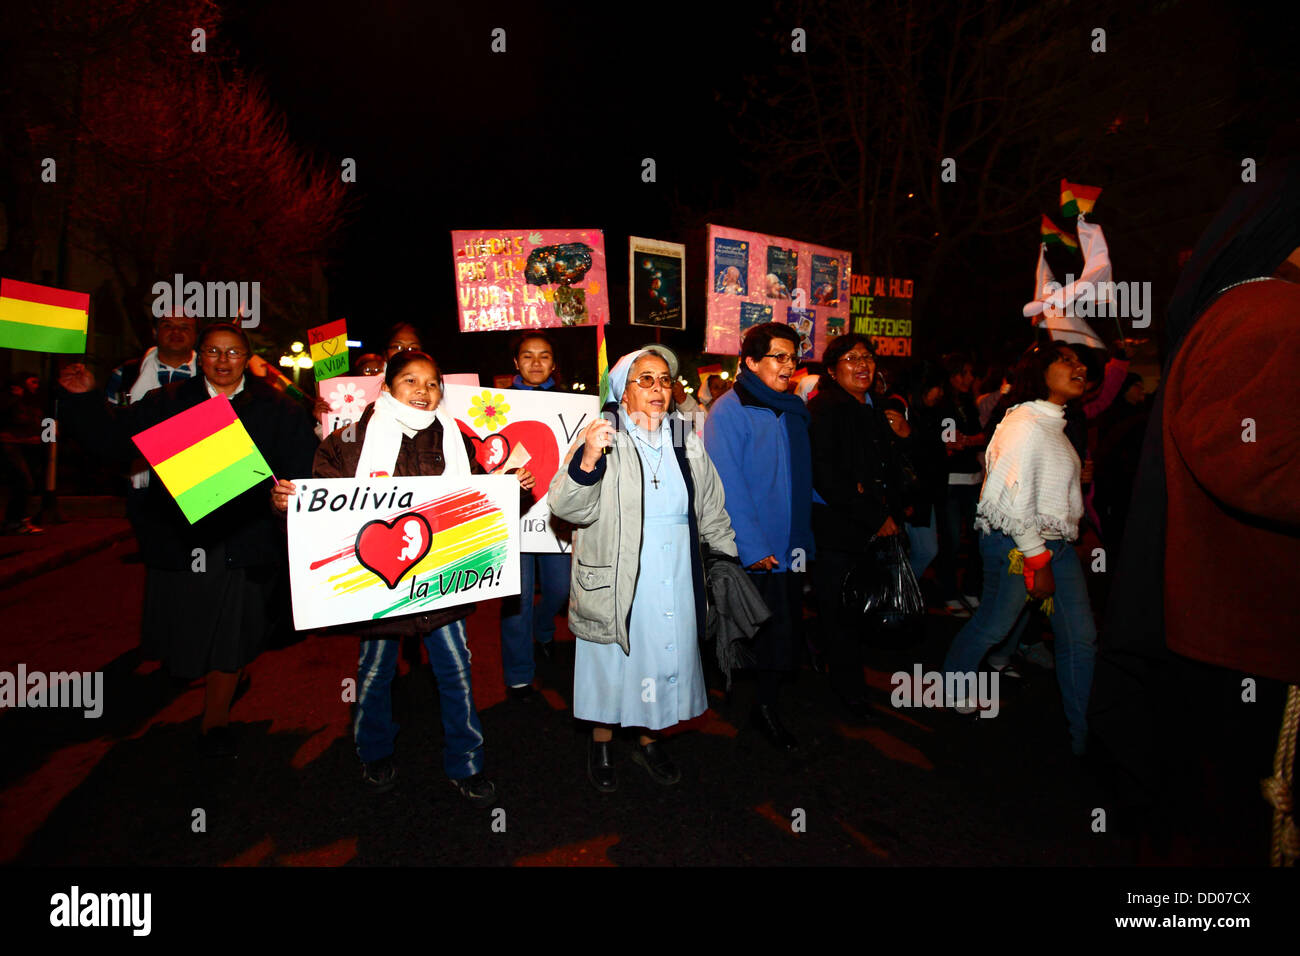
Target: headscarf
623 368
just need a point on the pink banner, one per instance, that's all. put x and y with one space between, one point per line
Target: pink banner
529 279
755 278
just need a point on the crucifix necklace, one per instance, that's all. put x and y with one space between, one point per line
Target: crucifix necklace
654 472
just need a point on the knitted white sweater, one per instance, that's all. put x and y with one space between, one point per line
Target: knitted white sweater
1032 491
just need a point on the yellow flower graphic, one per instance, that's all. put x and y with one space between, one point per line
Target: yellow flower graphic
488 410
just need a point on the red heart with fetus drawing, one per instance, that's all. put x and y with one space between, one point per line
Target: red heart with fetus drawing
389 549
538 440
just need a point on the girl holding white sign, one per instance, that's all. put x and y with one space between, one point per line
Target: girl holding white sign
406 434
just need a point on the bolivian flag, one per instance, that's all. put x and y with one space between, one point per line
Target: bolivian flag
41 319
1053 235
204 456
602 364
1076 199
329 349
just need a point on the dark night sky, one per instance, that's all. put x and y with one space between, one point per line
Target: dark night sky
448 135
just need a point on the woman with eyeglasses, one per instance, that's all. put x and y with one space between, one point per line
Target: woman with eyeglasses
856 473
1028 513
637 599
216 589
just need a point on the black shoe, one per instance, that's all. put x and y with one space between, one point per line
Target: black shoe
525 695
544 651
218 742
600 766
379 775
478 790
657 763
765 718
856 707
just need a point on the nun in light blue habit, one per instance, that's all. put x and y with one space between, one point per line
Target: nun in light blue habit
638 616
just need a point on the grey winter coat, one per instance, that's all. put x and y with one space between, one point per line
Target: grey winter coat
606 506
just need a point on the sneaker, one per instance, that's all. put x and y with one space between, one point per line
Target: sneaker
379 775
1039 655
956 608
971 600
1006 669
477 789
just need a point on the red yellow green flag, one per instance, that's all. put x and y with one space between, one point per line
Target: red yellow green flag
329 349
204 456
1054 235
703 370
1077 199
38 318
602 363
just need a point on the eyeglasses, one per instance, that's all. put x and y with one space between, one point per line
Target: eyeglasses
783 358
648 379
213 352
858 358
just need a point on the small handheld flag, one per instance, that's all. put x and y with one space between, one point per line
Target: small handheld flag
1054 235
204 456
38 318
602 363
1076 199
329 349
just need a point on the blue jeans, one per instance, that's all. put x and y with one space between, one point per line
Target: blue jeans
523 622
373 725
1003 604
924 544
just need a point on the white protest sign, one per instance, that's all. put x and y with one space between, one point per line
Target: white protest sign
362 549
511 428
348 396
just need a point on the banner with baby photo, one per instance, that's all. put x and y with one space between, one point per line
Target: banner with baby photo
529 279
759 278
366 549
521 428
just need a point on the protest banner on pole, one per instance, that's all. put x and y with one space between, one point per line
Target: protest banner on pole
656 283
755 278
529 279
513 428
368 549
880 307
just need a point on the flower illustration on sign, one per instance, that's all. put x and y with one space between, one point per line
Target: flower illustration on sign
488 410
347 397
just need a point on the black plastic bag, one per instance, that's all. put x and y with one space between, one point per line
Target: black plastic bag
881 592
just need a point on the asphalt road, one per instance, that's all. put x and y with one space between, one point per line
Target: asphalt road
911 787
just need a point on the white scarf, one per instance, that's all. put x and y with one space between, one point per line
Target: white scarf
391 420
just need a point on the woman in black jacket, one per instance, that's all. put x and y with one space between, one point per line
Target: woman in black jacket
855 471
217 588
